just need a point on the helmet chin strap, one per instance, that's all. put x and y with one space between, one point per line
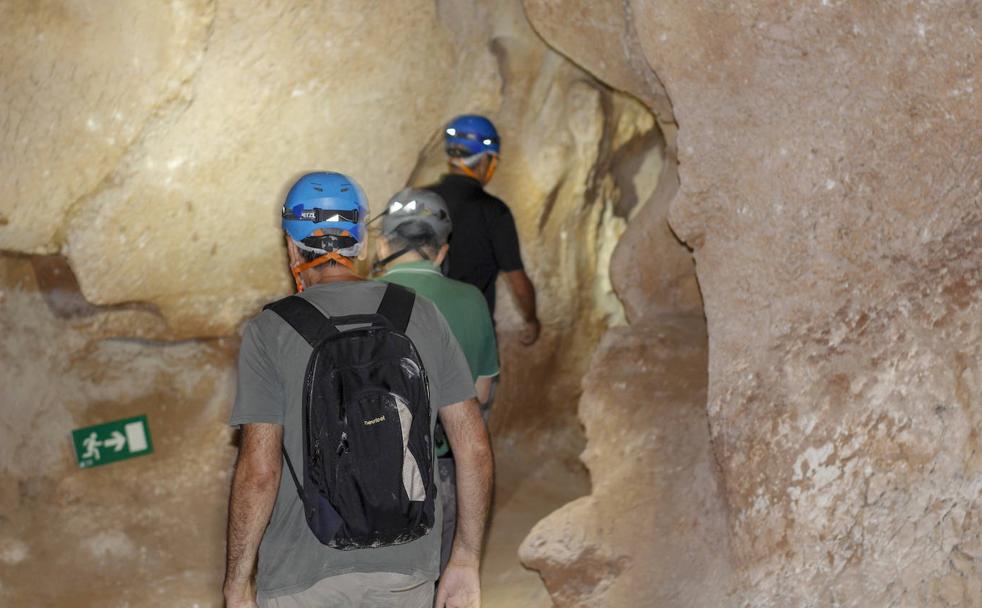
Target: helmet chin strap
331 256
465 168
470 172
380 264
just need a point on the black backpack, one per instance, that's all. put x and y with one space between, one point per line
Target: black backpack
367 445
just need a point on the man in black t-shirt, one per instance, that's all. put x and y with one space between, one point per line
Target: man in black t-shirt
484 240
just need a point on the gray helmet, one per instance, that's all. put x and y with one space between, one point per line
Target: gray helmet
417 214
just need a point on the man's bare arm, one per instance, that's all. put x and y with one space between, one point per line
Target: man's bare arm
474 462
254 487
483 388
524 292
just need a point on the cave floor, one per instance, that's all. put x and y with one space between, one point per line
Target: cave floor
525 493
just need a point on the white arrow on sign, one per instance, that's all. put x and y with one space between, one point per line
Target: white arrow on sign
117 441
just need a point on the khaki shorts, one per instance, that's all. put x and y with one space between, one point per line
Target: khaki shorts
361 590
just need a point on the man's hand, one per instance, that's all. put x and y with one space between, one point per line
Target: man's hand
530 332
524 292
460 587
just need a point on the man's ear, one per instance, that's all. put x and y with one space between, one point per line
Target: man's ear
381 248
441 254
293 252
363 252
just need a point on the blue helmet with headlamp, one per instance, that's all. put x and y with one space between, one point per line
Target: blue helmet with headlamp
469 135
326 212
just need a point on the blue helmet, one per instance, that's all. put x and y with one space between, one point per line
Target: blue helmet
326 212
469 135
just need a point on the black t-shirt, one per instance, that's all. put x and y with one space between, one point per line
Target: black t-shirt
484 240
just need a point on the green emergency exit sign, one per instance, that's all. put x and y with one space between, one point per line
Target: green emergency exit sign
112 441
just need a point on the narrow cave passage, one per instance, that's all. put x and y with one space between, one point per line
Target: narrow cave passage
584 211
617 206
648 449
642 395
538 439
588 173
828 154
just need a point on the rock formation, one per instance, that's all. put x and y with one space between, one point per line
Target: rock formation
829 160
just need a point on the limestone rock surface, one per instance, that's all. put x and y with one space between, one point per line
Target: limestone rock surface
81 81
655 513
142 532
177 128
829 184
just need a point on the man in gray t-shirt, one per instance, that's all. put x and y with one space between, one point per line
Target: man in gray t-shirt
294 568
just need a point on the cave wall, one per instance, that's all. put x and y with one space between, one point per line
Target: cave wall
143 532
148 147
161 135
820 159
829 186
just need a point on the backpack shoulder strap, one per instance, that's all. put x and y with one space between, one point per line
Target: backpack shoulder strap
397 306
304 317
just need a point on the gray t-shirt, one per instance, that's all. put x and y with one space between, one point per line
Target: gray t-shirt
272 361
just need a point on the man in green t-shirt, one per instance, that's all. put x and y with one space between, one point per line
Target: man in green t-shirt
414 233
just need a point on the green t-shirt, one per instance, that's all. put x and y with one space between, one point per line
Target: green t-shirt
462 305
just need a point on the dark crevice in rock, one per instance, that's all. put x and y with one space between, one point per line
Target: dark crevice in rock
62 294
549 205
626 162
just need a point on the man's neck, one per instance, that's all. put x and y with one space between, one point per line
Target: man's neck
457 170
406 258
328 273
